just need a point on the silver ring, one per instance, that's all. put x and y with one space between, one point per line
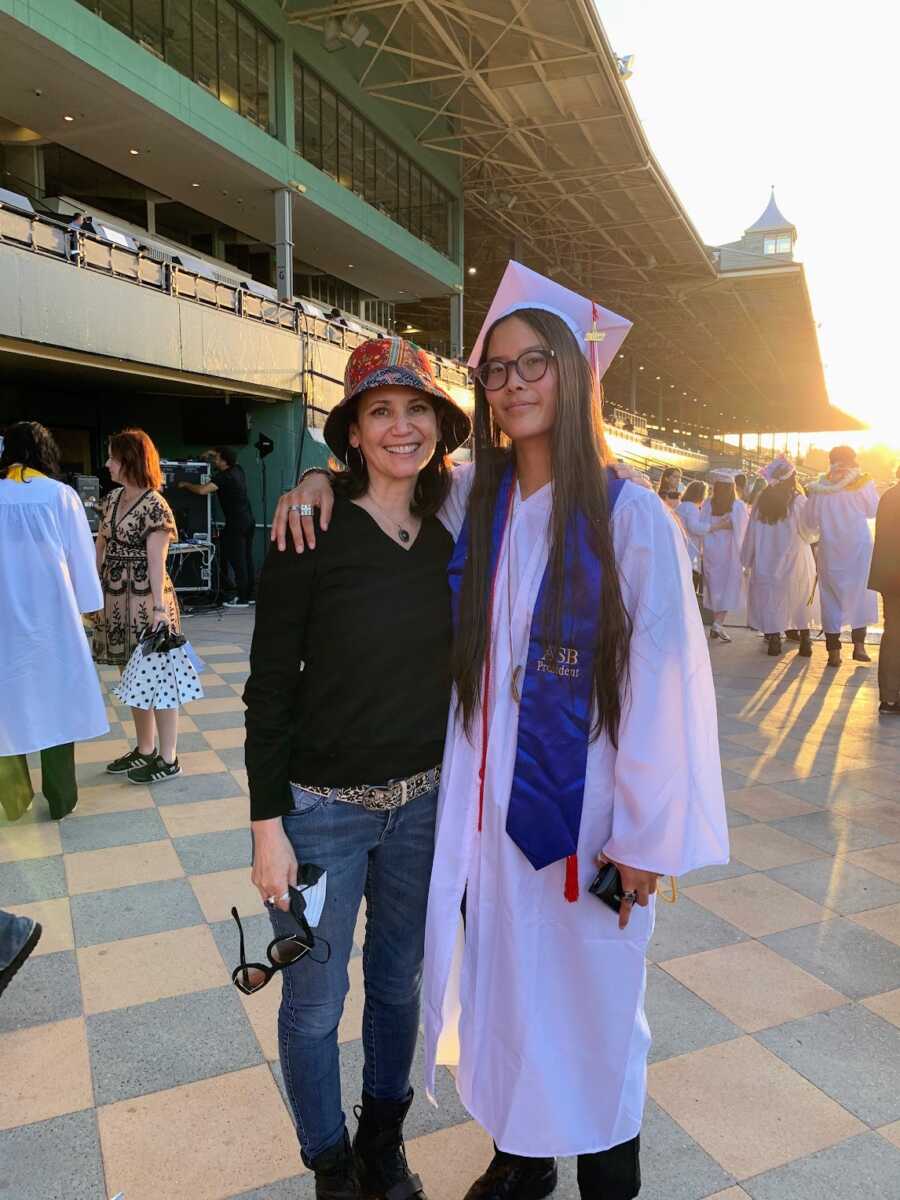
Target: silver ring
305 510
631 897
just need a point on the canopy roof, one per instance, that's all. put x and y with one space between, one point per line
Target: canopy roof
558 174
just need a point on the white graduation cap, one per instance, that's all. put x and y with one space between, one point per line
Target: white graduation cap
722 475
598 331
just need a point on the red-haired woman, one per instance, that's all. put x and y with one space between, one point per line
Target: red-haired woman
135 530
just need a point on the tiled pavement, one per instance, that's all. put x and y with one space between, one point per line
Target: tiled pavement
128 1062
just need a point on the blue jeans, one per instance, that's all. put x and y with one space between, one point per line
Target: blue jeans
386 857
14 933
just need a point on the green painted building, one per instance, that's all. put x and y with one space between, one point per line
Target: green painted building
254 214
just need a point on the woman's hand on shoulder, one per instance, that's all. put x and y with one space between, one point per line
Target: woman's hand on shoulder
632 475
316 491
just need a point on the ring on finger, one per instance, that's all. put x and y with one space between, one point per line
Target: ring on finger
630 897
305 510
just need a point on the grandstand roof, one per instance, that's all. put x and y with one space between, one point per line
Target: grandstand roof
558 173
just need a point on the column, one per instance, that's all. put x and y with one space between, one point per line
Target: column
632 387
284 243
456 326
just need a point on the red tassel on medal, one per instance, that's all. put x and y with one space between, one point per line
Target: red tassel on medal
571 892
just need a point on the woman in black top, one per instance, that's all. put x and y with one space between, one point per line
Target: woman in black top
346 714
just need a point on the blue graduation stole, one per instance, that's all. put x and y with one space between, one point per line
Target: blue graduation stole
557 694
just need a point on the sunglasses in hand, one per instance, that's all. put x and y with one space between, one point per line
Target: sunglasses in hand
281 952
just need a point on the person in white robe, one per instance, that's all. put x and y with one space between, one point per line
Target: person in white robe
841 505
50 692
777 553
539 999
724 582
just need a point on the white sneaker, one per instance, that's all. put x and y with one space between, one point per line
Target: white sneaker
721 634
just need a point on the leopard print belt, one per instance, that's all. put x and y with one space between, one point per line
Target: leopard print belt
381 799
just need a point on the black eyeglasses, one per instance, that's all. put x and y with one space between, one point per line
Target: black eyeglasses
531 365
281 952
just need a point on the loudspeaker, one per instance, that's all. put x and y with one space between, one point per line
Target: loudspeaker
88 489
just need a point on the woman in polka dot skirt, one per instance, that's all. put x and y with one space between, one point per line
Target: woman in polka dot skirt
135 530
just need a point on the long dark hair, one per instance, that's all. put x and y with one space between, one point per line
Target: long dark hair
32 445
432 485
579 458
774 504
664 485
723 499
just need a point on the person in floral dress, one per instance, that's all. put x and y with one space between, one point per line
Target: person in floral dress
136 528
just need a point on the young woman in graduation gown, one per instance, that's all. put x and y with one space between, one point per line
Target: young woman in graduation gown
579 658
724 584
841 505
778 555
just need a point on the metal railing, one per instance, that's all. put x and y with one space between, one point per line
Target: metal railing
141 266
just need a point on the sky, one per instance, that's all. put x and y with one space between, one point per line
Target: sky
735 97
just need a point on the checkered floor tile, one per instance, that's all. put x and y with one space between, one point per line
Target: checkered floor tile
130 1064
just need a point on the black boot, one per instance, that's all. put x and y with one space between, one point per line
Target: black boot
859 644
805 650
833 645
384 1173
774 640
512 1177
613 1174
792 635
335 1169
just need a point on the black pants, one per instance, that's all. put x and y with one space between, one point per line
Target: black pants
236 548
613 1174
833 640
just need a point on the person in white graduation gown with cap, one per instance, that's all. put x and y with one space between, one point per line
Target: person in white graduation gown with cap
778 555
578 662
724 582
841 504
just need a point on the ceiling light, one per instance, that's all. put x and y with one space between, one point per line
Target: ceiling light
355 30
195 185
350 266
68 118
473 270
331 35
640 368
133 151
658 378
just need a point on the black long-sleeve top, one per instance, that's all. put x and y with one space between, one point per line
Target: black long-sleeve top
350 663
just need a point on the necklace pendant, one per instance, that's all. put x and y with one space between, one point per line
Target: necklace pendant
514 685
403 535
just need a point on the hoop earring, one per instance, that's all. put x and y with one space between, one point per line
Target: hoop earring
362 458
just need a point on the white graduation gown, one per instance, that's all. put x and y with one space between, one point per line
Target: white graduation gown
542 1003
697 525
782 569
845 555
724 583
48 577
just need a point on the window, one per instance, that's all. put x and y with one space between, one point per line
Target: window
777 245
312 120
148 24
329 131
228 55
206 68
178 49
248 70
332 136
345 145
213 42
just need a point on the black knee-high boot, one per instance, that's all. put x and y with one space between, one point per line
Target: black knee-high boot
613 1174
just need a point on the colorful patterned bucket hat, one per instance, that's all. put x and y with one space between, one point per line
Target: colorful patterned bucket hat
393 362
